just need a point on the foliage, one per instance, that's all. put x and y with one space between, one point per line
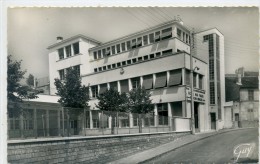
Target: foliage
139 101
30 80
15 91
72 93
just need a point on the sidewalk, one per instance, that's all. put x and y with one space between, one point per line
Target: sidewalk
162 149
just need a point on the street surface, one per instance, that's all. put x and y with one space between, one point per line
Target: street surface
217 149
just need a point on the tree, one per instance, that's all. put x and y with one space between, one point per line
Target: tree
72 93
30 80
112 101
16 93
140 102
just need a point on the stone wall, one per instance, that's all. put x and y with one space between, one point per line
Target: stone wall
99 149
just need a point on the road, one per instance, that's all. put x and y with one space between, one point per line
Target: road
215 149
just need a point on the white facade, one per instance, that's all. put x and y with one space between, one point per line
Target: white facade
163 58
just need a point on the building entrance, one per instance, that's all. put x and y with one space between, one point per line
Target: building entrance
196 116
213 120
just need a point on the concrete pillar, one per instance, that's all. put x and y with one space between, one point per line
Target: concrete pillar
154 77
91 120
72 50
47 123
109 122
155 115
63 122
167 77
183 76
130 84
169 114
22 125
35 122
58 112
141 81
118 86
131 120
64 51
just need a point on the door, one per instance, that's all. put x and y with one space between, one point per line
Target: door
236 120
213 120
196 116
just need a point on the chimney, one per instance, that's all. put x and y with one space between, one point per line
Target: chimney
239 81
240 74
59 39
179 19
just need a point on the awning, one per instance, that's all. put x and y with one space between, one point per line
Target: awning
148 81
160 80
175 77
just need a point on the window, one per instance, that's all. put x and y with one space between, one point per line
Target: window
133 45
187 38
179 33
95 55
108 66
151 38
95 69
94 90
113 85
124 86
157 36
178 50
104 68
95 118
251 95
61 53
139 42
103 88
151 56
135 82
128 61
177 108
146 57
123 63
124 122
162 109
212 92
134 60
108 51
104 52
183 36
187 76
62 74
158 54
200 81
145 40
167 33
77 68
167 52
140 59
148 81
99 54
68 51
118 64
205 38
113 65
123 46
118 48
99 68
194 80
76 48
161 80
113 50
128 45
175 77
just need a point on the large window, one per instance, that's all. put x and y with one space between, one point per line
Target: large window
108 51
161 80
95 55
139 42
179 33
103 88
200 81
145 40
133 45
77 68
61 53
135 82
113 50
128 45
212 92
123 46
76 48
99 54
68 50
157 36
162 109
251 95
124 86
94 90
177 108
62 74
118 48
151 38
175 77
113 85
148 81
167 33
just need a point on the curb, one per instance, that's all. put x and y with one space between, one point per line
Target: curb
214 133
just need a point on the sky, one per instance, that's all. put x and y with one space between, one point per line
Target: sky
32 30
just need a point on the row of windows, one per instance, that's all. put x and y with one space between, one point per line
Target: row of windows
62 72
133 60
183 36
160 80
250 95
134 43
66 52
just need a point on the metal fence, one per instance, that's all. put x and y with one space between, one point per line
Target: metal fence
37 123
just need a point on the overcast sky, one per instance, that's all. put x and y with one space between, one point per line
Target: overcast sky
32 30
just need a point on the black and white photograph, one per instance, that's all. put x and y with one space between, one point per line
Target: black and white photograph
132 84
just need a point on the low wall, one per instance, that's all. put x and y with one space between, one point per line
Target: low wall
98 149
248 124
